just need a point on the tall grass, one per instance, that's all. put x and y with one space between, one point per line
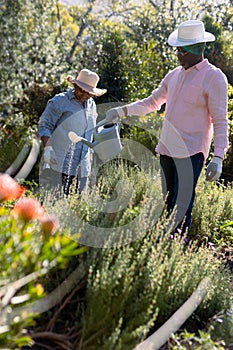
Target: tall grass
213 208
140 279
135 288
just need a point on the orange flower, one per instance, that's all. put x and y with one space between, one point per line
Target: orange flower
49 224
28 209
9 188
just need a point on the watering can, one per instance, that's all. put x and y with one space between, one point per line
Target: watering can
107 142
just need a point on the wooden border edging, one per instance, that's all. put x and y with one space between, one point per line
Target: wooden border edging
159 338
17 163
30 161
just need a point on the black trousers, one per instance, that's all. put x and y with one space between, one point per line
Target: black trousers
62 182
179 180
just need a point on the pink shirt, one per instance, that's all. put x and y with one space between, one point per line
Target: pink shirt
196 108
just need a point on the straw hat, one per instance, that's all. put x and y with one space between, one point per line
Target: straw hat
189 33
87 80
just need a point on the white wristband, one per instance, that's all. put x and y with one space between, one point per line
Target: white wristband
48 148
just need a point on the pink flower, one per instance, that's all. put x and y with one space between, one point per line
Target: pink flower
211 245
28 209
49 224
9 188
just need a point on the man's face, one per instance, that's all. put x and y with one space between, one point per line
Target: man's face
81 95
186 57
183 56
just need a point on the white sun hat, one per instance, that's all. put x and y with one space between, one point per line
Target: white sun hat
189 33
87 80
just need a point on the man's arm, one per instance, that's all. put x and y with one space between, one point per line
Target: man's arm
49 119
46 141
217 103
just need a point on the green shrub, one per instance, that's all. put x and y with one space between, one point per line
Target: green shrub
134 288
13 135
213 208
191 341
136 284
28 253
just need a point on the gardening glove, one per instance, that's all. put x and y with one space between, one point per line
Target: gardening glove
114 115
49 157
214 169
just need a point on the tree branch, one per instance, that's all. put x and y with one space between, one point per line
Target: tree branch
59 19
153 3
81 30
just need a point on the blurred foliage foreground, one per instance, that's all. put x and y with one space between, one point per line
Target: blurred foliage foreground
59 294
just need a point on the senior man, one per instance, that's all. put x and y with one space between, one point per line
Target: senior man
196 98
73 110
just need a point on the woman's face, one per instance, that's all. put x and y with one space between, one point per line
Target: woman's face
81 95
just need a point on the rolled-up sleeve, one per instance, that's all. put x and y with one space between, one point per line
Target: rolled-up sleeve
217 103
49 117
151 103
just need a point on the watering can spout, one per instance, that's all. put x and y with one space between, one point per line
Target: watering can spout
74 138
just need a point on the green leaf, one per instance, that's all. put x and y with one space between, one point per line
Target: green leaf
24 341
74 252
226 225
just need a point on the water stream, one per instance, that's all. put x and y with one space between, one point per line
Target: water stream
69 167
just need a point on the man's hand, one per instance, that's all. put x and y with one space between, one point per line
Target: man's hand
114 115
49 156
214 169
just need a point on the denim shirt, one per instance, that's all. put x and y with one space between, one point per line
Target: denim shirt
62 114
